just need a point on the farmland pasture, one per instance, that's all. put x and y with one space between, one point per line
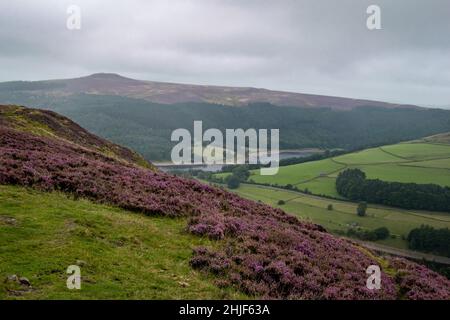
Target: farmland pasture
343 215
415 162
440 164
367 156
418 151
299 173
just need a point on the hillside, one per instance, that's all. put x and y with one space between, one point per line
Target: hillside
146 127
439 138
50 124
256 249
169 93
122 255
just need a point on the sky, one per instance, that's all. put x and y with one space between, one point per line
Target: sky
308 46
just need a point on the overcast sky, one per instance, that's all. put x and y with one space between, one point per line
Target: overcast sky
313 46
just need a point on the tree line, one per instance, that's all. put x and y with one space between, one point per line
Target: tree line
429 239
353 184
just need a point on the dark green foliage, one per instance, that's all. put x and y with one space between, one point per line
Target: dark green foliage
352 184
146 127
382 233
429 239
281 202
241 172
369 235
362 208
330 207
233 182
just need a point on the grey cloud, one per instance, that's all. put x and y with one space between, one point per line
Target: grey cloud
316 46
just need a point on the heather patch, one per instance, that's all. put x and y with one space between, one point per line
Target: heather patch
417 282
264 252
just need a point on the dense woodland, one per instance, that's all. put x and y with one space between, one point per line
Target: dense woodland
429 239
353 184
146 127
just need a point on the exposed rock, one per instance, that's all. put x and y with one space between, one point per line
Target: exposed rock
81 263
8 220
24 281
183 284
12 278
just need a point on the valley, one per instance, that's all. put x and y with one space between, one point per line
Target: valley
224 159
107 106
419 162
343 215
68 197
308 190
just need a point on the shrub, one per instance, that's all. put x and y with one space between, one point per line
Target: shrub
233 182
382 233
362 208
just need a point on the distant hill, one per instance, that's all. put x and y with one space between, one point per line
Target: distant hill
169 93
124 111
255 249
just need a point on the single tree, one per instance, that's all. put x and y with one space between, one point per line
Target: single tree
362 208
233 182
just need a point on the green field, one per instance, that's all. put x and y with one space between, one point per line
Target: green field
122 255
416 162
343 215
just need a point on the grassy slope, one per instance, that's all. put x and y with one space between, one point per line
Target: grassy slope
400 222
405 162
127 255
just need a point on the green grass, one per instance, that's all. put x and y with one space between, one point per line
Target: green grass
298 173
321 186
343 215
126 255
440 164
419 151
404 162
406 173
368 156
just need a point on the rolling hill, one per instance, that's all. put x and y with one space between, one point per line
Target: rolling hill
142 115
253 248
170 93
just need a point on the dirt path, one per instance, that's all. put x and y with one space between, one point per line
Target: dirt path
404 253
